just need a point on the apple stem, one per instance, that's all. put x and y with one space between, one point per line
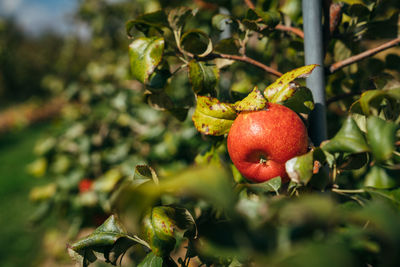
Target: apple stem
263 159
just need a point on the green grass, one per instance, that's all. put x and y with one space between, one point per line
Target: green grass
19 242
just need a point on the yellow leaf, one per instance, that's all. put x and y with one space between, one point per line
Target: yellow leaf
283 88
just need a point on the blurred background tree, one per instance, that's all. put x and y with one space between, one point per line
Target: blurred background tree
109 123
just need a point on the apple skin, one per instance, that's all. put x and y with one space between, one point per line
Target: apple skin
260 142
85 185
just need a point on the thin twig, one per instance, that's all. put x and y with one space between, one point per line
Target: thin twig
247 60
294 30
280 27
354 59
249 4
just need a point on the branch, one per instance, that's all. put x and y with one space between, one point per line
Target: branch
248 60
294 30
354 59
280 27
249 4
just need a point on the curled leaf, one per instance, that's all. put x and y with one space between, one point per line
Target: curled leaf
196 42
283 88
301 102
177 17
254 101
145 173
212 117
371 99
146 21
300 168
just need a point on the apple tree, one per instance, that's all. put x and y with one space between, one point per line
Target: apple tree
156 152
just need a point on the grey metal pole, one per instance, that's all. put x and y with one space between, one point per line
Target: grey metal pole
314 54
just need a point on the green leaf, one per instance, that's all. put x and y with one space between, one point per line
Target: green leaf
372 99
110 239
354 161
159 77
381 136
341 52
212 117
254 101
381 29
283 88
301 102
220 21
151 260
146 21
160 226
349 139
229 46
177 17
368 98
254 22
300 168
359 10
107 182
144 173
209 182
269 18
196 42
392 196
185 221
159 100
145 55
272 185
378 178
203 77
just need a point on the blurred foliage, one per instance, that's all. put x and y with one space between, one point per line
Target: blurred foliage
127 146
28 63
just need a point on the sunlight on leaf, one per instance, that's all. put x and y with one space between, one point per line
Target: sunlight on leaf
300 168
145 55
283 88
212 117
254 101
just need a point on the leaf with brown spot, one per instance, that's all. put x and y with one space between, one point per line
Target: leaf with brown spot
284 87
212 117
252 102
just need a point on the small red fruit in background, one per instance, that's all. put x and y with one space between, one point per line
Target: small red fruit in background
85 185
260 142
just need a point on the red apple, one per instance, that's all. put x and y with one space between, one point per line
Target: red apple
85 185
260 142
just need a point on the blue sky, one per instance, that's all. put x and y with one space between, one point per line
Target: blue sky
36 15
